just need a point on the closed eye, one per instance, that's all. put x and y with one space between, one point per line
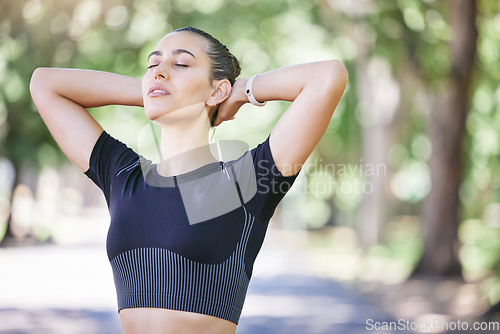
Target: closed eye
178 65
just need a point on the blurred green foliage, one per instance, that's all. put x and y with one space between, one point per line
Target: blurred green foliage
411 38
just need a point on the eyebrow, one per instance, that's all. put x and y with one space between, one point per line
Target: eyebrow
175 52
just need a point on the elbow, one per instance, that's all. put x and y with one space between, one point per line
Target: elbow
40 83
329 78
36 80
336 76
332 86
342 72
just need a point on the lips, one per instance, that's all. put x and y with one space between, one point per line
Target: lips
158 90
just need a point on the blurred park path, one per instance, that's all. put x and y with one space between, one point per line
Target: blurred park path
69 289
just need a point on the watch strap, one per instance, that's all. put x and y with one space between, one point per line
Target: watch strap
249 93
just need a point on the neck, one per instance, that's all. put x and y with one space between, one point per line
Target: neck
184 144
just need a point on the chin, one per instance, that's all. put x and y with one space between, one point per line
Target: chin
189 113
154 113
151 116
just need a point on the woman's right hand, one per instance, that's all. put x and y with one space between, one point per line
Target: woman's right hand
237 98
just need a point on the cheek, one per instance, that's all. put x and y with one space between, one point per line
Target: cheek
196 81
145 84
200 88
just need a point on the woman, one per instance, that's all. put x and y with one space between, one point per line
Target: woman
181 265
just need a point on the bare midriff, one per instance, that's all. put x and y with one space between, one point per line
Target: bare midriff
164 321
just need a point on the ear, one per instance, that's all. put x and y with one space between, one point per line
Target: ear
222 90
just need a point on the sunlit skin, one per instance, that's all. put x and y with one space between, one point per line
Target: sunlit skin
178 70
177 93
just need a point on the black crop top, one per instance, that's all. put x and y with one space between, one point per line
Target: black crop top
187 242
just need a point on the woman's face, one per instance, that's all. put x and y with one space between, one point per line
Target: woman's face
178 77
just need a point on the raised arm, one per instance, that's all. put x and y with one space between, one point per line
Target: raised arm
314 88
61 96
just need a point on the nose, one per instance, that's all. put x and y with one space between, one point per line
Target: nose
160 73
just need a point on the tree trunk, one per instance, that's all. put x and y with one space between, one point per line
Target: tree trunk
9 236
446 130
379 96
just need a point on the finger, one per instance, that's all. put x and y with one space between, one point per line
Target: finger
218 121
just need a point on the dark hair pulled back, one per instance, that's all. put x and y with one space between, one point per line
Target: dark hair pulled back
224 63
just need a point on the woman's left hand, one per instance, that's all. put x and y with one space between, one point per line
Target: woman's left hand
233 103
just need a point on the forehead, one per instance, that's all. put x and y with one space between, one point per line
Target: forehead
183 40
